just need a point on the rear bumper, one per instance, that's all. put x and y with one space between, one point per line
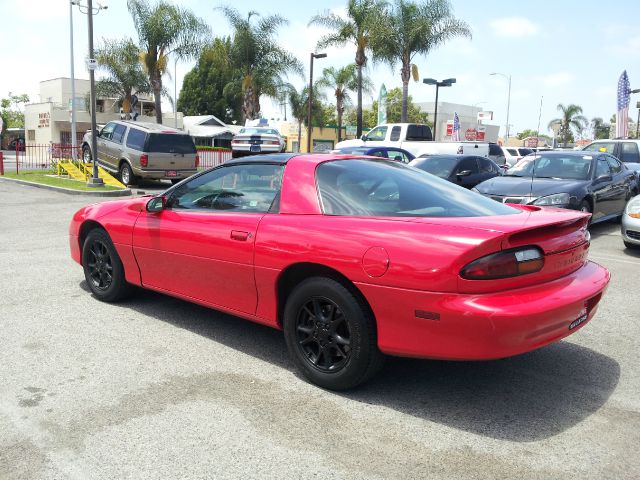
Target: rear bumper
486 326
162 174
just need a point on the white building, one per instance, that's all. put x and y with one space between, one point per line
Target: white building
50 119
209 130
468 116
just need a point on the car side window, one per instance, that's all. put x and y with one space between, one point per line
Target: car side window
395 133
602 168
237 188
136 139
118 133
377 134
398 156
629 152
468 163
605 147
486 165
378 153
107 131
614 163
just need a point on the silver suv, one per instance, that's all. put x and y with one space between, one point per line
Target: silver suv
134 150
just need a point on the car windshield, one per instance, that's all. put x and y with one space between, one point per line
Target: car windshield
438 165
259 131
570 167
170 143
390 189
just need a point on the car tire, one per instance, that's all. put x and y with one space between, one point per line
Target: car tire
175 181
331 334
103 269
126 174
86 154
631 246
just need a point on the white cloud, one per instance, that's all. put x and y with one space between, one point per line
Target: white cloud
514 27
558 79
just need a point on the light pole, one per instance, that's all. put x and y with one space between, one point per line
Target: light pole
309 128
637 90
508 77
73 86
95 180
444 83
175 92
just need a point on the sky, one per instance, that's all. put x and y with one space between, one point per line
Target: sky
566 51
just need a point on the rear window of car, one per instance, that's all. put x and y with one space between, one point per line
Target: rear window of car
418 133
136 139
170 143
258 131
392 189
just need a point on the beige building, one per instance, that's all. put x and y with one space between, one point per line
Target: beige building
49 121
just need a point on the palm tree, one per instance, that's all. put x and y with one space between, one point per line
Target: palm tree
412 29
571 117
120 59
165 30
363 16
342 81
299 101
262 61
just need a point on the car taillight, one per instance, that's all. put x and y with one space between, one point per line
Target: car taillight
144 160
511 263
197 160
274 142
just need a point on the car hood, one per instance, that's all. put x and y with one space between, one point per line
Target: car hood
523 186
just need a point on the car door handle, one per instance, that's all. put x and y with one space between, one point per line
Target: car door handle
240 235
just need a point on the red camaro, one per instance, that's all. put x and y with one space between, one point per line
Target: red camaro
353 258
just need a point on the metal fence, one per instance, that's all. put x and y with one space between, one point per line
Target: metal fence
213 158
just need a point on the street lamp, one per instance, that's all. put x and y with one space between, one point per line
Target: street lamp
444 83
95 180
637 90
508 77
309 128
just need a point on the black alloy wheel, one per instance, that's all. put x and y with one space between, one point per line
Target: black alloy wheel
103 269
331 334
323 335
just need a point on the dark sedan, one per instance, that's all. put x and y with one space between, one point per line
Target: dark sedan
464 170
392 153
597 183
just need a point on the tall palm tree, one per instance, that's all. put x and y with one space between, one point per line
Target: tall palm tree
414 29
342 81
120 59
262 61
299 102
165 30
363 17
571 118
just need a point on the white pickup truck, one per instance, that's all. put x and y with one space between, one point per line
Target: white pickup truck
418 139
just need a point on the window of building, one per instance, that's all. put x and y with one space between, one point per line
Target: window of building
31 135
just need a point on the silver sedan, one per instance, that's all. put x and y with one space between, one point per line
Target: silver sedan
631 223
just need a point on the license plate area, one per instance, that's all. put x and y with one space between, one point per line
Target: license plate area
171 173
255 148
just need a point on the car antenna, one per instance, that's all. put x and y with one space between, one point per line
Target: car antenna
533 171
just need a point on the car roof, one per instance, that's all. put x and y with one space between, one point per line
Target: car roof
151 127
278 158
565 153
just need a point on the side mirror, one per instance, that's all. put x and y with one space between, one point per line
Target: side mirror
363 138
156 204
464 173
604 178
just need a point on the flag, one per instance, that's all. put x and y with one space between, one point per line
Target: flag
622 115
382 105
456 128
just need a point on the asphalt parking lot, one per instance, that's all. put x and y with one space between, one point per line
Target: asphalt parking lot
159 388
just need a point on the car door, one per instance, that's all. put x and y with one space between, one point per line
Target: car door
488 169
467 173
376 137
605 203
201 244
621 184
114 145
104 154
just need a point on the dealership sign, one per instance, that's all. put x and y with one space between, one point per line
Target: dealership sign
475 134
44 119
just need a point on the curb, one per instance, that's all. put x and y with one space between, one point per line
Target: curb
111 193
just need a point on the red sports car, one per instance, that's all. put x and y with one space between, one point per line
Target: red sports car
353 257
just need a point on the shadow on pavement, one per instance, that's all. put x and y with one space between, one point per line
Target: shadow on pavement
526 398
605 228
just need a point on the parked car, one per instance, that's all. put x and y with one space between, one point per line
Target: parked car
514 154
135 150
353 258
594 183
17 144
464 170
630 224
409 136
254 140
626 150
393 153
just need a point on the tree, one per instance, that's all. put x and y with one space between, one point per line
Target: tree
363 16
411 29
165 30
394 111
260 59
299 101
600 129
571 120
213 86
10 111
121 60
342 81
